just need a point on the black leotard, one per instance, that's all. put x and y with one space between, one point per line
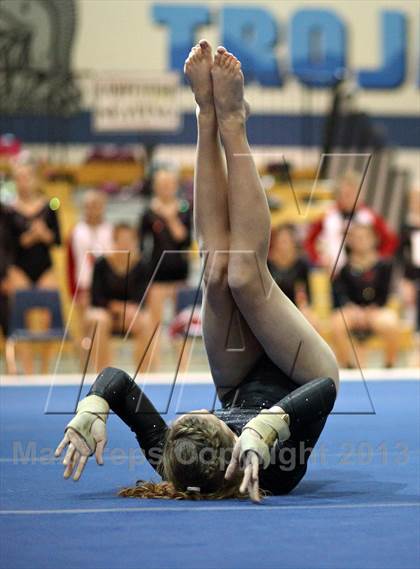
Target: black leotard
266 385
289 277
6 241
363 287
36 259
108 285
6 253
154 233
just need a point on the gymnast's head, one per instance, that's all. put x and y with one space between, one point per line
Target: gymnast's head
196 454
197 451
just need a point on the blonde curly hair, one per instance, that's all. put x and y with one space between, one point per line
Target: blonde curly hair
194 460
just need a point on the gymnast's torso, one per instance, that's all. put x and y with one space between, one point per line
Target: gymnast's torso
263 386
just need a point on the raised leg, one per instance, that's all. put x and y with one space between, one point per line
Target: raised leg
284 333
223 326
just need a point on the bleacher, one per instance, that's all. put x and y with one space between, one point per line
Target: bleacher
300 198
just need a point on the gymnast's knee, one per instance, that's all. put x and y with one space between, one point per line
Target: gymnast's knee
216 271
243 275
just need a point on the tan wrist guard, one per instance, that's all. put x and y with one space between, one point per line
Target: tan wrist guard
89 409
271 426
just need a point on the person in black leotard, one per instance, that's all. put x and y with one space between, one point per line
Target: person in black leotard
6 250
166 226
409 256
34 226
165 235
35 230
120 279
290 269
275 377
361 292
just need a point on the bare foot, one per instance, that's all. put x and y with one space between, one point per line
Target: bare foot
228 88
197 68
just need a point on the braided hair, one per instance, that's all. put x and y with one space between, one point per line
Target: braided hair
194 460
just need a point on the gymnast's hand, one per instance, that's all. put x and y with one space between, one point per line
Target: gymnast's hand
253 446
249 461
84 435
78 451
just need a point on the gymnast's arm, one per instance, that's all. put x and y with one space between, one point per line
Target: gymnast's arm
308 403
133 406
86 433
303 406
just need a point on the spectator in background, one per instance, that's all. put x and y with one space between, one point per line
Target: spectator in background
325 236
165 229
120 279
410 255
90 238
35 230
290 269
6 250
361 291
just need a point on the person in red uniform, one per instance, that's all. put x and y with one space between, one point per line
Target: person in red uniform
361 292
325 236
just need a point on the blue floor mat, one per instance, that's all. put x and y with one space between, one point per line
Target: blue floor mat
357 507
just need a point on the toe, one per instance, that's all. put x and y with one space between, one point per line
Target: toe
221 49
225 59
218 59
231 62
206 50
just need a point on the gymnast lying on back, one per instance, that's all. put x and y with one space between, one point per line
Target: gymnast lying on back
277 391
